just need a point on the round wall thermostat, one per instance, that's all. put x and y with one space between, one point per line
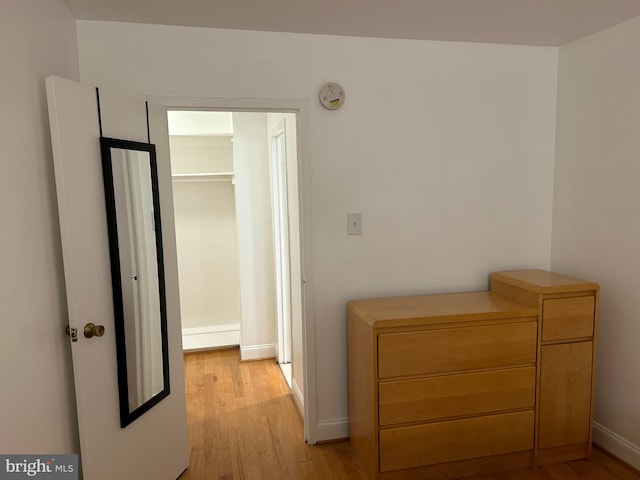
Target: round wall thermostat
331 96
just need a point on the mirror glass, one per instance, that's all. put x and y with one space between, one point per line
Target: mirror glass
135 243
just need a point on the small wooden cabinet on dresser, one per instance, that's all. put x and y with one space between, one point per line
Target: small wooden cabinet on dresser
566 351
456 385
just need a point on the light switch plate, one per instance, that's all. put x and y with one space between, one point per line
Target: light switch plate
354 224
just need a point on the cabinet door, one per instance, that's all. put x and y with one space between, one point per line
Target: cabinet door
565 394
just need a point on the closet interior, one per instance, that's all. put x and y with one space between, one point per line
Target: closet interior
202 169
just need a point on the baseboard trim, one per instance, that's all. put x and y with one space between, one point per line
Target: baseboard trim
617 445
257 352
213 336
335 429
298 397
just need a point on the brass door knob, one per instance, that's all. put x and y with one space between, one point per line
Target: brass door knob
91 330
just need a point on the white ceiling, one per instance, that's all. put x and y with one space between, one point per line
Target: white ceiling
525 22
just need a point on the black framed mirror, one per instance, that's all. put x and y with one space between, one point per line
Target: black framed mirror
137 274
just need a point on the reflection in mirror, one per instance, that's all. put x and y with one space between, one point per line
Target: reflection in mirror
135 242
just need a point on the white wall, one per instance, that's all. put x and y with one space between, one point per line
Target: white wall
446 149
255 235
201 153
37 39
207 253
596 214
206 232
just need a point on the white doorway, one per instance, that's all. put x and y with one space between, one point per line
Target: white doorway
303 389
245 286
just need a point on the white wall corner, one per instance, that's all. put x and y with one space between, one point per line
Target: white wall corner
336 429
617 445
257 352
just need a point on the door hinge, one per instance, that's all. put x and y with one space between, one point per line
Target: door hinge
73 333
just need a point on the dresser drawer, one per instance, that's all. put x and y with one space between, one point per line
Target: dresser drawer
456 349
414 446
564 318
440 397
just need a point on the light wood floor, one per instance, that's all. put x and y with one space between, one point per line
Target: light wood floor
243 424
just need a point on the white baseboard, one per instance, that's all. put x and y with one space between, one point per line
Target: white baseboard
617 445
335 429
257 352
298 397
214 336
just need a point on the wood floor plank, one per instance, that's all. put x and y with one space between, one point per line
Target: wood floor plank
613 465
309 471
562 471
527 474
244 425
591 470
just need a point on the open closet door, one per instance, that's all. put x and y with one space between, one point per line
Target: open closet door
154 445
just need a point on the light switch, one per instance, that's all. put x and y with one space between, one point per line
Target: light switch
354 224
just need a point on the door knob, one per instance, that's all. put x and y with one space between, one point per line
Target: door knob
91 330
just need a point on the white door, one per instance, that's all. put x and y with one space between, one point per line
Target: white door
280 215
155 445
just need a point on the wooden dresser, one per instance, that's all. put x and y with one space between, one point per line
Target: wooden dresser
450 386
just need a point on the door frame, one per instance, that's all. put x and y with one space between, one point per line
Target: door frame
301 108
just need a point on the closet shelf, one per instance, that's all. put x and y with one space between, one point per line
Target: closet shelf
204 177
